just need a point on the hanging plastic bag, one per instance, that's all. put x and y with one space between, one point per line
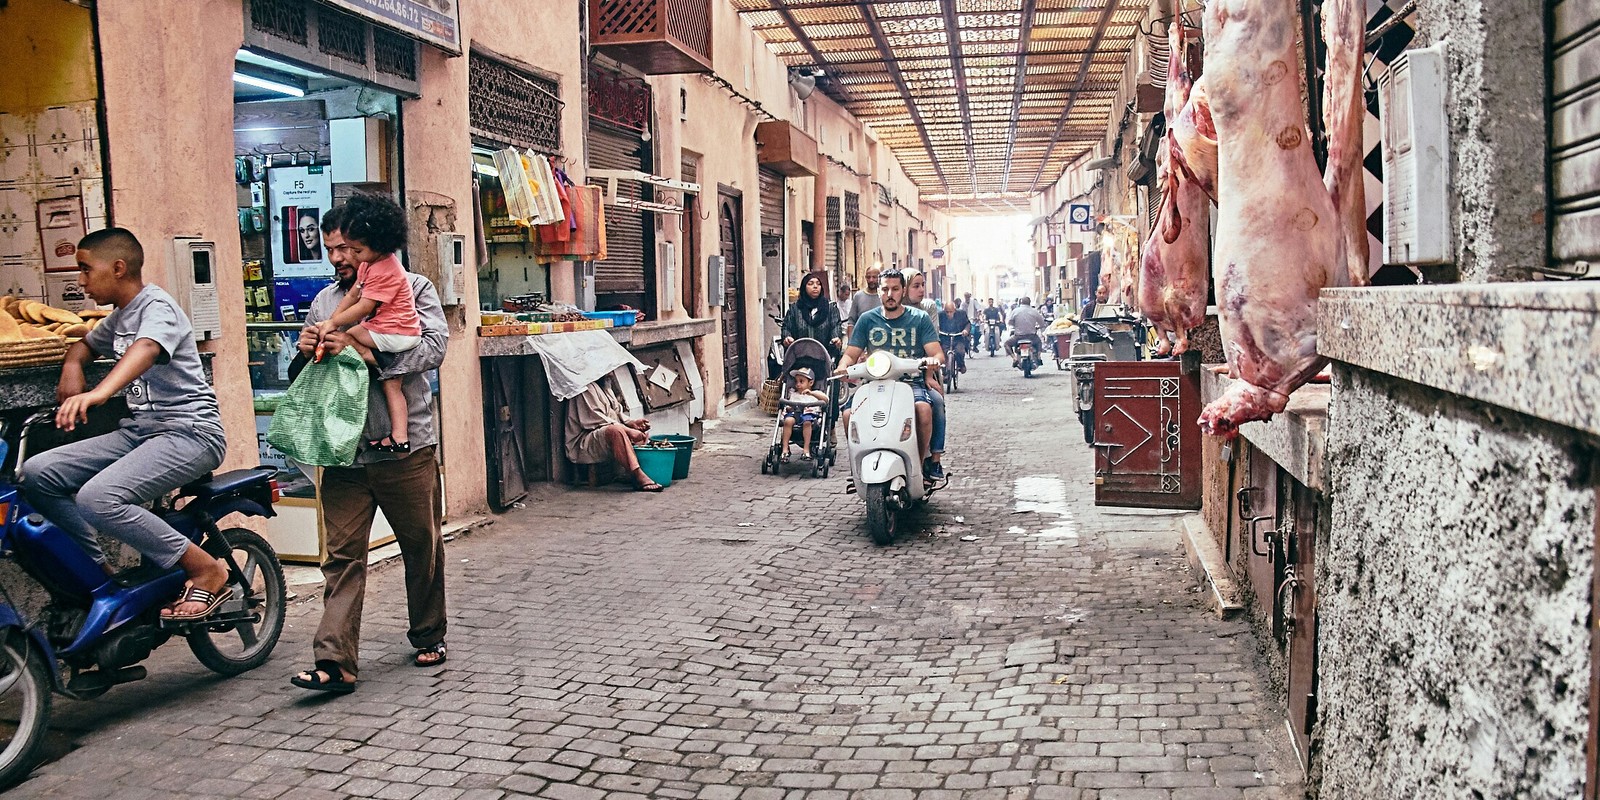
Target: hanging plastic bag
517 185
321 417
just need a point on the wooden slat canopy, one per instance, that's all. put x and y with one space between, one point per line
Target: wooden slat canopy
983 101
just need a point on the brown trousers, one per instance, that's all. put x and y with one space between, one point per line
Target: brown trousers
407 490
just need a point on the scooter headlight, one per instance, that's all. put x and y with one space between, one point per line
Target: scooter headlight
879 364
905 431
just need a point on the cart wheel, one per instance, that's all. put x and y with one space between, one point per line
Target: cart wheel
825 469
763 465
816 467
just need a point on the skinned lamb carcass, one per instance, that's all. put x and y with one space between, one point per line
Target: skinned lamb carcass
1279 240
1175 273
1344 112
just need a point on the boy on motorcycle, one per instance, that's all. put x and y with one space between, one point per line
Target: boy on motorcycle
1026 323
173 437
907 333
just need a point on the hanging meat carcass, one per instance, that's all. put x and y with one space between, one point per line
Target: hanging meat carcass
1344 113
1175 273
1279 237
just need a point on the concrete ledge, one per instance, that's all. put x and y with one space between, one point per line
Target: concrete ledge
656 332
1528 347
1294 439
1211 569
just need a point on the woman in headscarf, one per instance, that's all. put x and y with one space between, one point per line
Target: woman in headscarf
814 315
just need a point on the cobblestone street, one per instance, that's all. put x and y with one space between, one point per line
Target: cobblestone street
738 636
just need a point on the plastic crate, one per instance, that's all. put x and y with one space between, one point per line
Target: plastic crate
620 319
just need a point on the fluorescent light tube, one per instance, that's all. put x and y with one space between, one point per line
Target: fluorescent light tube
271 86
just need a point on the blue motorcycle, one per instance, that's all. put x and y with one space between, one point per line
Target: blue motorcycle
93 630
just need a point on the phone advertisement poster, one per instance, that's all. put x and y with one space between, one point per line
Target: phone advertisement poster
299 196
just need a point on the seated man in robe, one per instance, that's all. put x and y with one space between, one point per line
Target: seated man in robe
598 432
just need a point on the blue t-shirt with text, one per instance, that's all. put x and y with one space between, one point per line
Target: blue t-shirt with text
905 336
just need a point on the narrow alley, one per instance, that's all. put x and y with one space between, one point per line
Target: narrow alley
739 637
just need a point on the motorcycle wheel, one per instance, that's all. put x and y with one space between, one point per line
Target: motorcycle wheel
24 706
881 519
1086 417
1027 366
237 648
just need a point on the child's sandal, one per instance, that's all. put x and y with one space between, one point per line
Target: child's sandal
392 446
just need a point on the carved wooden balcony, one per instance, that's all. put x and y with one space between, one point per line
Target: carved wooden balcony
657 37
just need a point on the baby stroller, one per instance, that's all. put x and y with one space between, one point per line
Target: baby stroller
811 354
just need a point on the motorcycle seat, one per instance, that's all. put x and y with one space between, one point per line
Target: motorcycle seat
232 481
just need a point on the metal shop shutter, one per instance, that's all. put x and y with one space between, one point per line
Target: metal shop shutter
623 270
771 215
1575 134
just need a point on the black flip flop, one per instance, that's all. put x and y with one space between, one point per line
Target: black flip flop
316 684
652 486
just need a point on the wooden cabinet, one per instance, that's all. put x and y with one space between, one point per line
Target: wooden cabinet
785 149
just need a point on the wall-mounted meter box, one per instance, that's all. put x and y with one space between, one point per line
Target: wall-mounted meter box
194 284
667 258
452 267
1416 159
716 280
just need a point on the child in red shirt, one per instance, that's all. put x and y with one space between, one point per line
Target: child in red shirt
379 312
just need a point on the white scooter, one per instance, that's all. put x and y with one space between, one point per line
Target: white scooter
886 464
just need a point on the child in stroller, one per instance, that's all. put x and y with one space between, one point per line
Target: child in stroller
803 407
806 415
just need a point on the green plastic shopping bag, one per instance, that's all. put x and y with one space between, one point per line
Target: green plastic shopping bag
320 420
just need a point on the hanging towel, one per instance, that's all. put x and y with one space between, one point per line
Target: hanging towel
514 182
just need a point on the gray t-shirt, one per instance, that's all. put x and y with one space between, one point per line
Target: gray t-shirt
862 302
173 392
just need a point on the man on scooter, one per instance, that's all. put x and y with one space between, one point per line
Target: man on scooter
1026 322
173 437
907 333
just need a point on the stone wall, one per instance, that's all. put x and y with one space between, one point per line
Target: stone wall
1497 133
1455 593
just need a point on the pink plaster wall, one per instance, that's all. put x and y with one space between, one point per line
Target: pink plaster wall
438 164
169 139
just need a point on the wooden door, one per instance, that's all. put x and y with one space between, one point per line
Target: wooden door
1146 440
1299 595
730 220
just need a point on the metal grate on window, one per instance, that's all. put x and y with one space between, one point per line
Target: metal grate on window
852 211
833 214
509 106
342 36
619 100
285 19
394 54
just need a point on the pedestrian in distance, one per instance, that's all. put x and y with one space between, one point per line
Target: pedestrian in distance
404 486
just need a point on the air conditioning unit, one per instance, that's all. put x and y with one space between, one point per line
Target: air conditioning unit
1416 159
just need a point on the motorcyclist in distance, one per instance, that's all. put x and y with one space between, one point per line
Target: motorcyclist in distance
1026 322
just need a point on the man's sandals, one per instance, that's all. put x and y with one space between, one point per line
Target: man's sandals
324 676
194 594
431 656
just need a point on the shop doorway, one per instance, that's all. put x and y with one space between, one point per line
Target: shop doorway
730 219
305 140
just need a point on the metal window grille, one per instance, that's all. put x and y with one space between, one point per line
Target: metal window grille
852 211
833 214
509 106
331 40
621 101
394 54
285 19
883 195
342 36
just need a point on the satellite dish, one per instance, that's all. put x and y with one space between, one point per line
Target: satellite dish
803 85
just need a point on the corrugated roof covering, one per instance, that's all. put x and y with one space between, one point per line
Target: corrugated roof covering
983 101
